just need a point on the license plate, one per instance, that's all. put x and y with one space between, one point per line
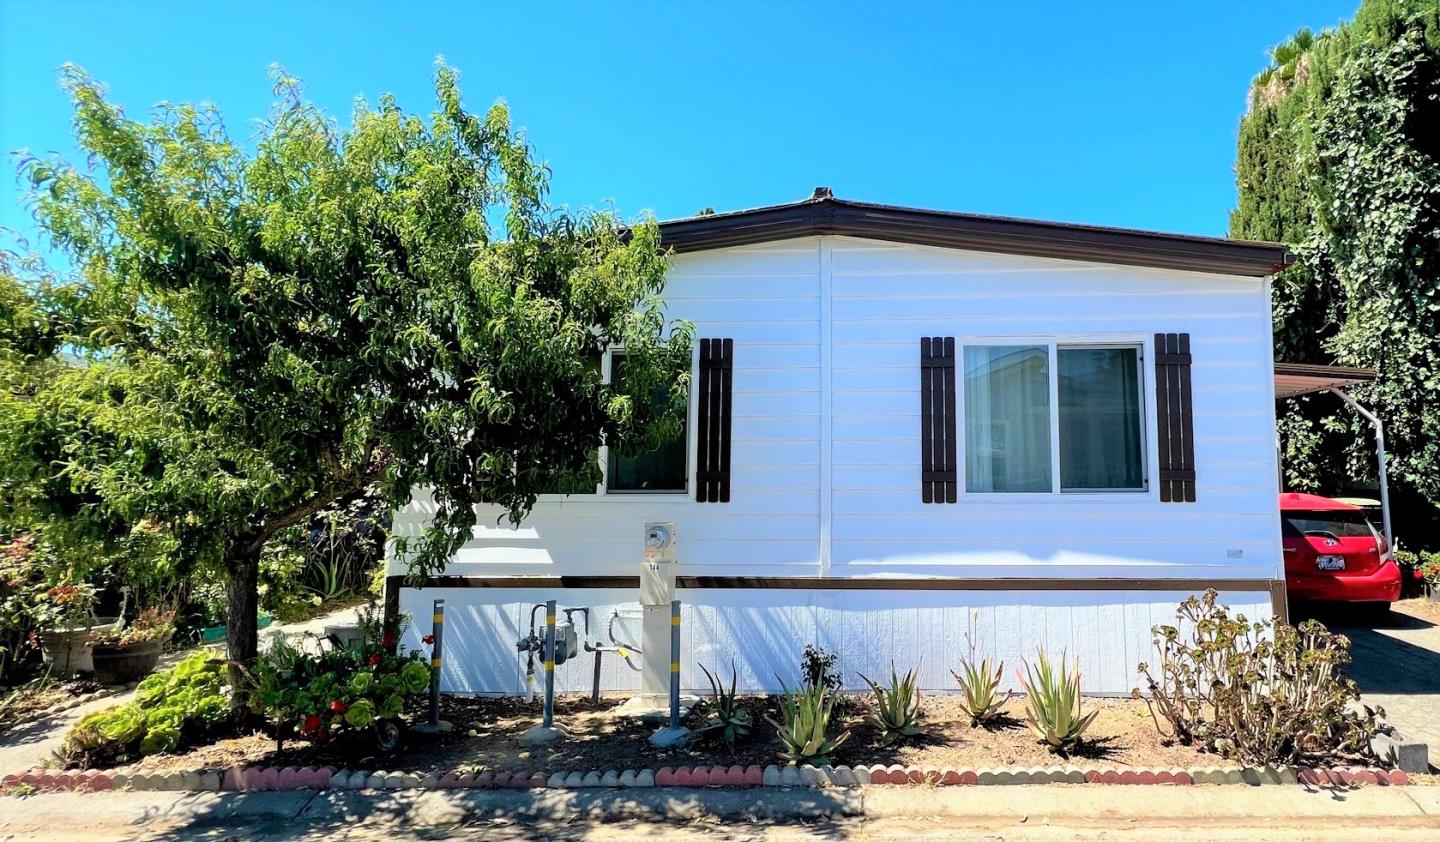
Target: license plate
1330 562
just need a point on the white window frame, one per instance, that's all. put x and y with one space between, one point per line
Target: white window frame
1150 455
607 374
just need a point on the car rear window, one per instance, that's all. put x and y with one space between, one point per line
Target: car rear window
1340 524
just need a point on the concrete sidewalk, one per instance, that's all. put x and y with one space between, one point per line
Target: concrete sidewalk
1179 812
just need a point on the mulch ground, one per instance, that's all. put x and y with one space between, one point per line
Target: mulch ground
487 736
1426 609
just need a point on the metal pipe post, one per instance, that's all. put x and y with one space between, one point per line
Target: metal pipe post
595 688
674 664
549 719
438 635
1380 454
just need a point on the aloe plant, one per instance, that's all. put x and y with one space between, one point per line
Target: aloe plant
1052 702
980 689
804 719
726 714
897 706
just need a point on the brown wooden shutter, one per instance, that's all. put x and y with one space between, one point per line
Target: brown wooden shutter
939 478
1174 418
712 448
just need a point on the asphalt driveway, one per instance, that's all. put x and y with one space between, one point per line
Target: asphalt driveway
1397 665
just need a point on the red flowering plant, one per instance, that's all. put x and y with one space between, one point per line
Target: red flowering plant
320 695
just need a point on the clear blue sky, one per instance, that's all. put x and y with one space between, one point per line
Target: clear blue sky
1114 113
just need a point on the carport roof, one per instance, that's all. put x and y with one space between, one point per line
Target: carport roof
1293 379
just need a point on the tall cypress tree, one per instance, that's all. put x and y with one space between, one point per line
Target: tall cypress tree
1339 158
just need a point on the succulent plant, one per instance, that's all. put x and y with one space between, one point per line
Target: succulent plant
1052 703
804 719
980 696
726 714
897 706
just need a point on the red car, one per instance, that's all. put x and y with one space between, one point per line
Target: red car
1332 553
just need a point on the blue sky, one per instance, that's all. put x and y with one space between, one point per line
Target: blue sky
1116 113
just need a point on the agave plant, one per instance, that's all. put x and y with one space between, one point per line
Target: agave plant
980 690
1052 703
726 715
804 719
897 706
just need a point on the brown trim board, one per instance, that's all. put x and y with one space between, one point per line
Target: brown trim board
824 214
1275 588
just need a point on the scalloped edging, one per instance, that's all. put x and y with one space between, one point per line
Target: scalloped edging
265 778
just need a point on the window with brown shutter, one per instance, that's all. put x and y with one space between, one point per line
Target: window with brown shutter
712 449
939 479
1174 418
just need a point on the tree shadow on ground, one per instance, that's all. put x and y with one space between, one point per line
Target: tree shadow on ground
502 815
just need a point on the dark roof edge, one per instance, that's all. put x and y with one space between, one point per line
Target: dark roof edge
1336 372
974 232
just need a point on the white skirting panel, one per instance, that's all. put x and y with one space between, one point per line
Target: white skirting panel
764 632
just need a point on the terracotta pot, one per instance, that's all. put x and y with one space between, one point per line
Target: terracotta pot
69 649
123 664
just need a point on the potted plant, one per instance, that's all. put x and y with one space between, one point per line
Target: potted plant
66 617
130 651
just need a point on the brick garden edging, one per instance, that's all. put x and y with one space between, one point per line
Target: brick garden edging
258 778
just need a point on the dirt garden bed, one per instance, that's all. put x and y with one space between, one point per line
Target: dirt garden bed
487 735
38 699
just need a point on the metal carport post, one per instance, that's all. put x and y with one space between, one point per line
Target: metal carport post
1292 379
1380 457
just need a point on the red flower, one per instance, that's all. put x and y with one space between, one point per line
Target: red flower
337 706
387 640
374 660
428 640
311 723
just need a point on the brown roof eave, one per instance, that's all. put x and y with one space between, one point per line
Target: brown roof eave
976 233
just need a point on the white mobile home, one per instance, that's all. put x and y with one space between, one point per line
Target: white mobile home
908 427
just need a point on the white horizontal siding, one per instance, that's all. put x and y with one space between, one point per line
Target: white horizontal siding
885 297
880 299
766 299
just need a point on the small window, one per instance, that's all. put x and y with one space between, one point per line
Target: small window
1007 418
1100 442
661 469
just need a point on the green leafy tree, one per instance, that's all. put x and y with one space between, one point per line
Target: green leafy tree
265 330
1339 158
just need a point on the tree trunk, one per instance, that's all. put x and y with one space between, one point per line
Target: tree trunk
242 604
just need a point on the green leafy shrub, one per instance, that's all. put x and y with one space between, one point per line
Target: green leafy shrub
178 707
817 668
23 582
1052 703
804 720
321 696
1424 565
726 714
896 714
1255 692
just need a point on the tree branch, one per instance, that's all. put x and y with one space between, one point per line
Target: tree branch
306 510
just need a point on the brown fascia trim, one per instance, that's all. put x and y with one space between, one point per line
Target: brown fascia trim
974 232
1333 372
